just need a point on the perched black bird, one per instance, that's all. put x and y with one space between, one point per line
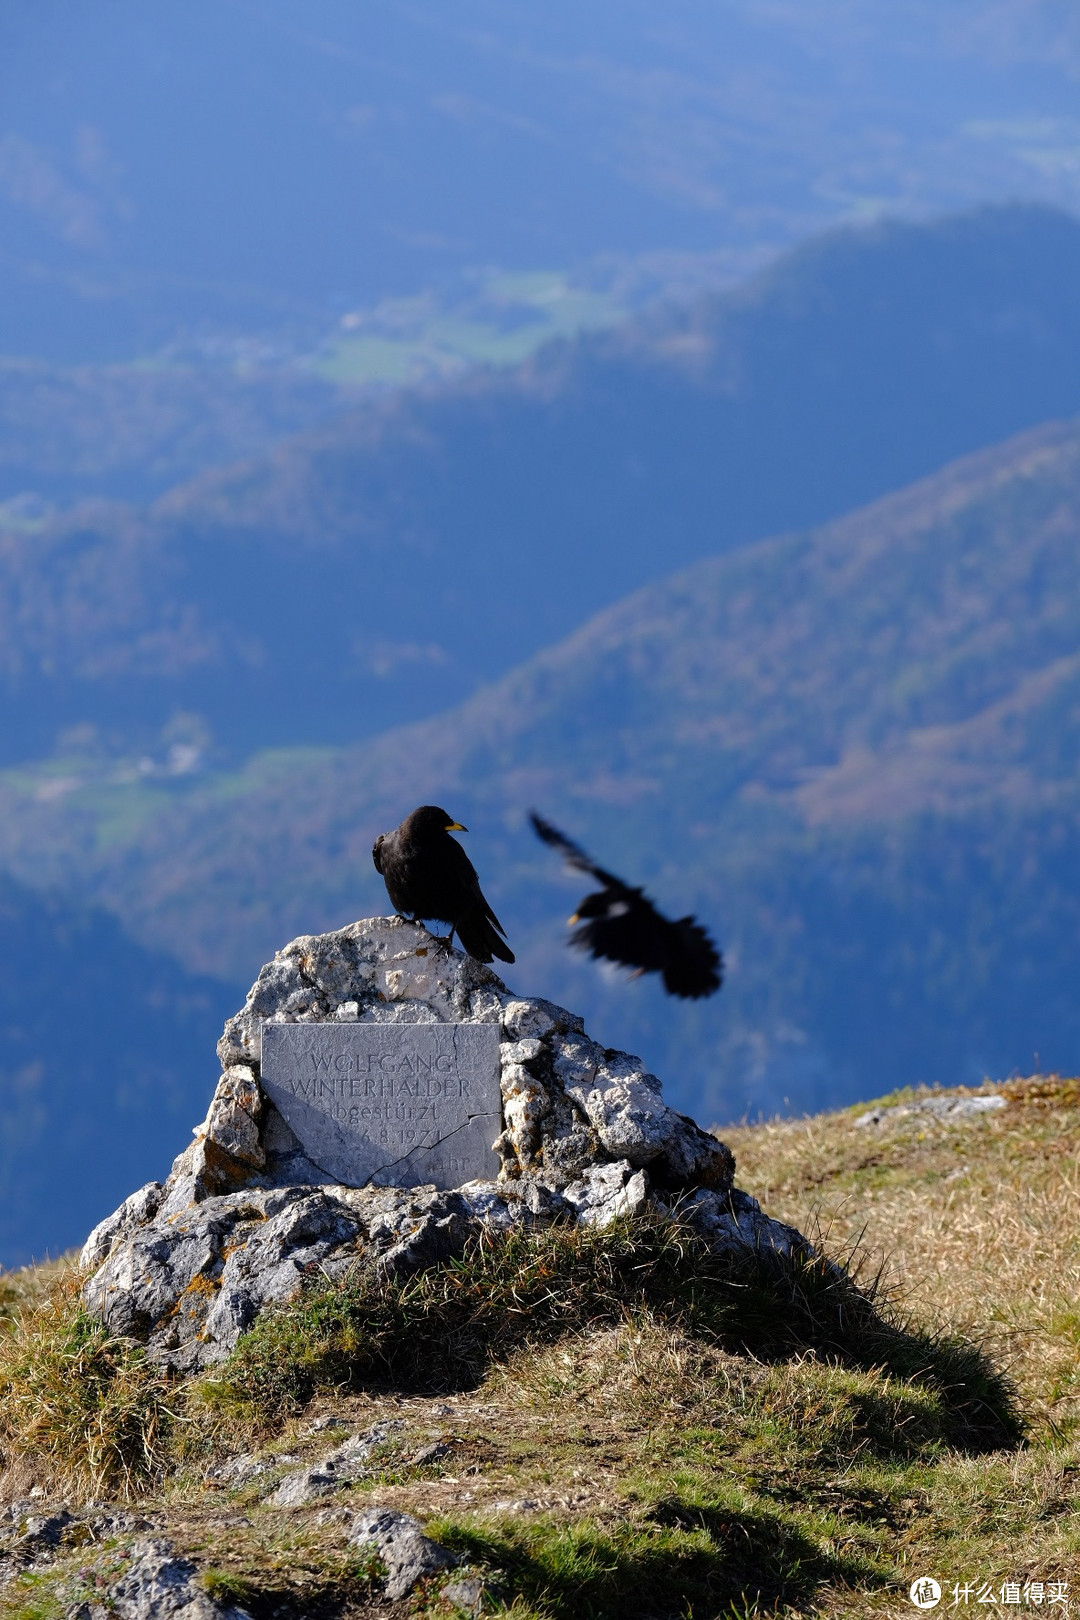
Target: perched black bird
621 924
428 874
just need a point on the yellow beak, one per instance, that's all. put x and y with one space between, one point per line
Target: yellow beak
455 826
570 921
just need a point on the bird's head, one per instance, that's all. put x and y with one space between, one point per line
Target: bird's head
604 903
430 820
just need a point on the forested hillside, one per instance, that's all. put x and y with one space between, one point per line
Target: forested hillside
850 749
853 751
380 568
130 432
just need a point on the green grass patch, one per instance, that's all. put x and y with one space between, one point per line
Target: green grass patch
691 1555
228 1588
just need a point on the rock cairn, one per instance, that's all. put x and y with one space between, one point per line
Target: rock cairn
245 1218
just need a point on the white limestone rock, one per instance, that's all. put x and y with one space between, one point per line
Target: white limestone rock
189 1284
607 1191
567 1102
134 1212
246 1219
947 1107
737 1224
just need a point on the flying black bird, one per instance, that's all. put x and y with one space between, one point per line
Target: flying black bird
428 874
621 924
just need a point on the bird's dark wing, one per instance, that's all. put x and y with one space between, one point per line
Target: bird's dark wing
632 932
695 967
572 853
477 925
466 880
376 852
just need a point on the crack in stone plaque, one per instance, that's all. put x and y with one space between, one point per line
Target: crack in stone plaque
394 1104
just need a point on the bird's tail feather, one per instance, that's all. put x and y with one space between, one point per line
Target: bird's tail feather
481 942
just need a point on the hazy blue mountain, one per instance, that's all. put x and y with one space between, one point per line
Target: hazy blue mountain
381 567
853 751
106 1063
851 748
223 166
131 432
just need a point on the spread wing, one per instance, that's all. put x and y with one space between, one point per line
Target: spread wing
572 853
621 924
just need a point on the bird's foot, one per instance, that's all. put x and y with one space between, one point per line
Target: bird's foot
441 942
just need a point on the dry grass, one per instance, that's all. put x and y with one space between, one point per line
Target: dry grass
623 1430
81 1413
444 1328
22 1290
977 1220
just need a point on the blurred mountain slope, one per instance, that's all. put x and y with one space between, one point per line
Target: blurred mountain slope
106 1062
854 752
69 432
379 568
238 167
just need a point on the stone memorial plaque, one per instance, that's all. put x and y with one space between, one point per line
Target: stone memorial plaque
399 1105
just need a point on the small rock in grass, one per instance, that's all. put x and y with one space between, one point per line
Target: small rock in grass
44 1531
407 1554
466 1593
238 1470
336 1469
333 1515
429 1454
332 1421
160 1585
15 1512
948 1108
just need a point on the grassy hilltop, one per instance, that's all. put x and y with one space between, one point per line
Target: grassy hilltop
277 596
609 1424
